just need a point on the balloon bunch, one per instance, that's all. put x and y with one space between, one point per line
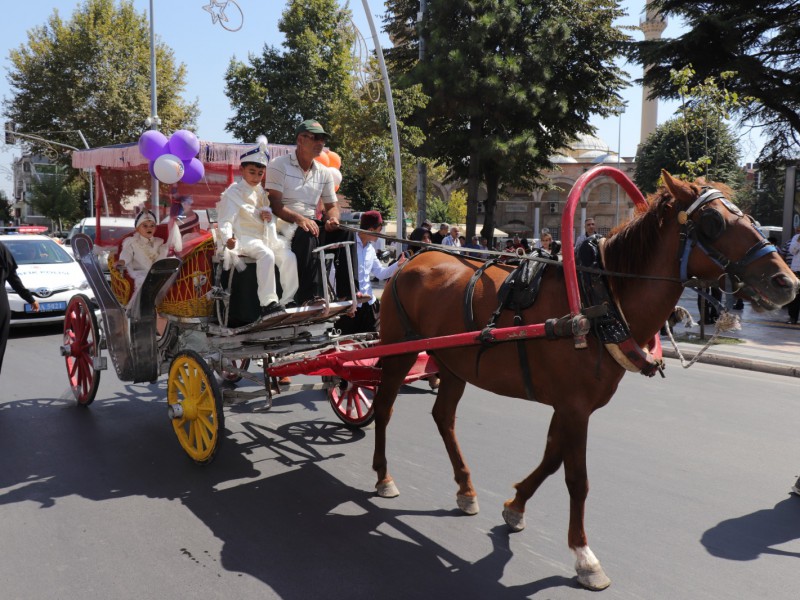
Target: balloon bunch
333 161
174 159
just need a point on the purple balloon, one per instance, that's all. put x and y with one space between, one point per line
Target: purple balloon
184 144
193 171
152 144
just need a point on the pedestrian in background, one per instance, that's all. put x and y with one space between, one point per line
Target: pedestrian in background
439 236
588 231
8 273
794 265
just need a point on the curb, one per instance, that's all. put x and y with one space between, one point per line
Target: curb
737 362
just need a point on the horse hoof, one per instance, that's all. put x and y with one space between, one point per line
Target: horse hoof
513 518
387 489
593 578
467 504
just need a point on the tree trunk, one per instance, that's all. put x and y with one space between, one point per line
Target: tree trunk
474 179
492 180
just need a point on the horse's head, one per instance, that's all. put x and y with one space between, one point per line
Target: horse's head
717 238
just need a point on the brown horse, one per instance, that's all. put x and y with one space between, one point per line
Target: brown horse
429 301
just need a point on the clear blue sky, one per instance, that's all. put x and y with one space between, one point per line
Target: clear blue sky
206 49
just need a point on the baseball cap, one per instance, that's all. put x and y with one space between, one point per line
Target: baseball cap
371 219
311 126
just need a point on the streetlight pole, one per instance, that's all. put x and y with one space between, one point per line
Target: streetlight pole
153 121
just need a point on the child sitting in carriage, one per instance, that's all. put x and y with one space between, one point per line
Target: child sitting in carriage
247 225
140 251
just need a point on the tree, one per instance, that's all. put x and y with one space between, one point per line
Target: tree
92 74
278 90
698 142
763 198
57 198
666 148
756 40
509 84
5 208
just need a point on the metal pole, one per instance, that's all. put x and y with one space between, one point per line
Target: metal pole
619 160
398 176
154 120
422 169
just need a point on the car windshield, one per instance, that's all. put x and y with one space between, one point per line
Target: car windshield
37 252
111 233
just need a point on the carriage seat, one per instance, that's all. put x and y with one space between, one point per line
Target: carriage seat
188 295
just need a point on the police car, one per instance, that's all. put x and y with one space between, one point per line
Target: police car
49 272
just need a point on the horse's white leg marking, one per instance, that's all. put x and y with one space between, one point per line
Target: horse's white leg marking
590 573
467 504
387 489
513 518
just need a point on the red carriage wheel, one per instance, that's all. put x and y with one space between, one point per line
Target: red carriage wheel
352 403
81 346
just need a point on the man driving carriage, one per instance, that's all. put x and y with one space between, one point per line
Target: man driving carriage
296 183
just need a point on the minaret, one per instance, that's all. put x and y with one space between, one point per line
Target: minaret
652 26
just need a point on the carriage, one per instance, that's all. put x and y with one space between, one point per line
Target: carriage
567 347
194 321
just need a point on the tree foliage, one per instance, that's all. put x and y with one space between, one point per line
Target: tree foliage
509 83
275 91
756 40
91 73
56 198
666 148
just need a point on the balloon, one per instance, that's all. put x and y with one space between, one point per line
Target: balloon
193 171
184 144
322 159
168 168
334 159
152 144
337 178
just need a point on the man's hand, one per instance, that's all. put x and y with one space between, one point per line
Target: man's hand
402 258
309 225
35 305
332 224
231 243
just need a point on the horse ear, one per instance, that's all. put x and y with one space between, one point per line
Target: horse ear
680 190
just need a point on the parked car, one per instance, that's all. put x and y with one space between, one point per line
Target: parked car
49 272
113 229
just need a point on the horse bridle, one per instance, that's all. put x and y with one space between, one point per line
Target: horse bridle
707 230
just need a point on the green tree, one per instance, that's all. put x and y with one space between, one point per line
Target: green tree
509 84
457 206
57 198
666 148
5 208
756 40
277 90
92 73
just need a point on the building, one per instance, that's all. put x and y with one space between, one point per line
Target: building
28 170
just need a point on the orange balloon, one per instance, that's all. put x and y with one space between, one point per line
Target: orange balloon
322 159
334 159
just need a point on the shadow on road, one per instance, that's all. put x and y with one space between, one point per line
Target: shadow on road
283 519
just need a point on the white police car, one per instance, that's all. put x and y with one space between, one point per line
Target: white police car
49 272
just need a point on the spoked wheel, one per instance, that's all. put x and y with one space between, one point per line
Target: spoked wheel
237 364
81 346
195 406
352 403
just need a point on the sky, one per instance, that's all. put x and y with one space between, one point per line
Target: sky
206 49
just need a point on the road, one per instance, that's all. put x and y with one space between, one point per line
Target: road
689 495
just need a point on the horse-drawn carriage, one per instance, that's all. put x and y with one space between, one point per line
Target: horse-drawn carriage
566 342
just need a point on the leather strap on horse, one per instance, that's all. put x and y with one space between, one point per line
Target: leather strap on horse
410 334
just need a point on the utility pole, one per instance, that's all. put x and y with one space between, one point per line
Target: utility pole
422 168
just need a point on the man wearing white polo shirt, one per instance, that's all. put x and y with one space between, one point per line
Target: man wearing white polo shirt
295 184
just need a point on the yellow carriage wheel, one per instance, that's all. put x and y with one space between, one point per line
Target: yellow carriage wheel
195 406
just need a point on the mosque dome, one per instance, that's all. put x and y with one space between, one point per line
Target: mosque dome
608 158
562 159
588 142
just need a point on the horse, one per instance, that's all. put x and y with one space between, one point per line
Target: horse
682 232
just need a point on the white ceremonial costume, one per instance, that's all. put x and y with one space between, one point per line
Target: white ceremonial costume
239 214
139 253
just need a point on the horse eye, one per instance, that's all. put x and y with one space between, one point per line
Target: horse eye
711 224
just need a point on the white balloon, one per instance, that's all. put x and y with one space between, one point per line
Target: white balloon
337 177
168 168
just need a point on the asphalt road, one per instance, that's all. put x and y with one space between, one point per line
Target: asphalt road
689 495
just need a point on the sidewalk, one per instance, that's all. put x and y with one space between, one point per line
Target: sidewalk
767 343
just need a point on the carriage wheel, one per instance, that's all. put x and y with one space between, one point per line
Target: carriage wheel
195 406
240 364
81 346
352 403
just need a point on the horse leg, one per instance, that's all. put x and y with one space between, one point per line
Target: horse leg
451 388
514 509
393 373
590 572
